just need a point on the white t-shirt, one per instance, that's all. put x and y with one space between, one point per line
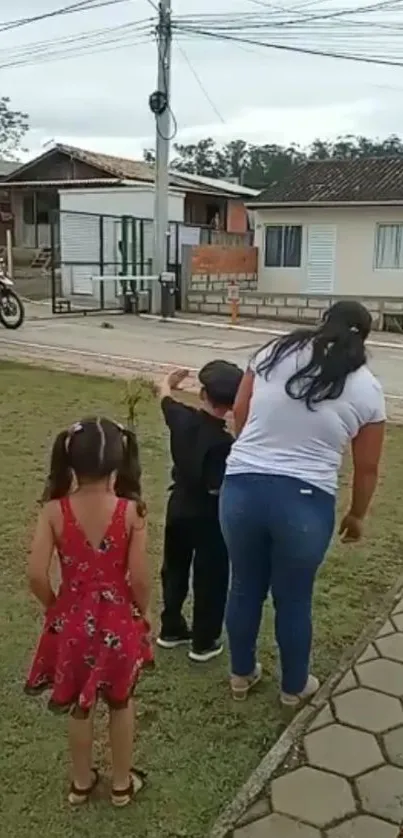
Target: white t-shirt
282 436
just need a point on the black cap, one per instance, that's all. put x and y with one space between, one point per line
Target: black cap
221 381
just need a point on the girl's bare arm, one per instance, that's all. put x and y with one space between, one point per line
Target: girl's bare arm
40 558
137 561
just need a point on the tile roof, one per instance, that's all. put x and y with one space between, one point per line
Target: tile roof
370 179
122 168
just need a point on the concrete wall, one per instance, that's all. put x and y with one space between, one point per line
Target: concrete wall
208 295
355 272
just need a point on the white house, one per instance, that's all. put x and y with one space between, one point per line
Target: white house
333 227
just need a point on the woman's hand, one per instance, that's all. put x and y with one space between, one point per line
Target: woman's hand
351 528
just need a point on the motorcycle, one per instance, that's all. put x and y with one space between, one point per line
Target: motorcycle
12 312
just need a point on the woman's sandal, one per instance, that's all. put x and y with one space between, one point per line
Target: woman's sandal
241 686
77 796
122 797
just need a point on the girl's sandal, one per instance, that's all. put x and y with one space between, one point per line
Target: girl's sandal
77 796
122 797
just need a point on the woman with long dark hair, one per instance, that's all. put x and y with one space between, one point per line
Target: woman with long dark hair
302 399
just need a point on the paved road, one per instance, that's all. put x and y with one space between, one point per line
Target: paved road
132 345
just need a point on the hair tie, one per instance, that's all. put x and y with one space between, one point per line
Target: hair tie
75 429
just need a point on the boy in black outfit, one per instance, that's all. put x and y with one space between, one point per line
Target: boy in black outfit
200 444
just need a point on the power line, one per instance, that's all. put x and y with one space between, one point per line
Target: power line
34 46
295 49
201 85
67 54
75 45
80 6
248 20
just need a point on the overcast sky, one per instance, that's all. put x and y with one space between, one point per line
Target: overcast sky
100 100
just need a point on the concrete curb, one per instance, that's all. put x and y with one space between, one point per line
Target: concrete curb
261 776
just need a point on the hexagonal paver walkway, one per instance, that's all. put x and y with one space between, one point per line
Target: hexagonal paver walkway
349 783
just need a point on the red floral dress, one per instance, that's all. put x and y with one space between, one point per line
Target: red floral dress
94 642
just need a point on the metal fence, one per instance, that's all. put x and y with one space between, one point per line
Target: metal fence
86 247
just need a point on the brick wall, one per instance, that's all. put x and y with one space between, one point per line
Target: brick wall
237 218
216 260
209 297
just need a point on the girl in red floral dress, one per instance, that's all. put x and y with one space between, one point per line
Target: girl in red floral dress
95 639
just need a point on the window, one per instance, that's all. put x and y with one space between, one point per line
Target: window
283 246
46 202
389 246
28 209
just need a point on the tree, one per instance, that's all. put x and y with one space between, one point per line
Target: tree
13 127
258 166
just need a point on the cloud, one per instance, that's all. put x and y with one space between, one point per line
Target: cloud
101 100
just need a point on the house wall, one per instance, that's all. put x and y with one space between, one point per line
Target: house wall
237 218
124 200
137 202
208 272
200 209
60 167
354 268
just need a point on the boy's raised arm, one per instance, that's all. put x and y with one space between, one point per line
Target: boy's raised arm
172 382
172 409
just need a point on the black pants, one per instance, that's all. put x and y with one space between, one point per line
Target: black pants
199 540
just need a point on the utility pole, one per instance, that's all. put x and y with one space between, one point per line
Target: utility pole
161 107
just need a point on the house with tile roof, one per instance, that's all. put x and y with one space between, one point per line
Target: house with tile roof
333 227
118 187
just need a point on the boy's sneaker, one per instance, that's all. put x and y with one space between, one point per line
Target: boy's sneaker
207 654
172 641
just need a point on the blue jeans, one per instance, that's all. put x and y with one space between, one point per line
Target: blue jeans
277 530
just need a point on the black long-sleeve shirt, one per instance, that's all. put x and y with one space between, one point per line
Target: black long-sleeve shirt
200 444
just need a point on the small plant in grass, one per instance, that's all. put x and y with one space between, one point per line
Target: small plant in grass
138 390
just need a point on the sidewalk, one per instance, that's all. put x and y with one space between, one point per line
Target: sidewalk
349 779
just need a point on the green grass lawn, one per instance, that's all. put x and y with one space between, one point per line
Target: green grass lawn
197 746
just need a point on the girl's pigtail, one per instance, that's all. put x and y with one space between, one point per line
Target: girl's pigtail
58 482
128 478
